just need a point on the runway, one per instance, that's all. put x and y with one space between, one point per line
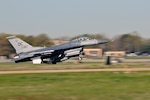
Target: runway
77 70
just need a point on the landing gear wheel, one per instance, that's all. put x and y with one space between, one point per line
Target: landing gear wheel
53 62
80 59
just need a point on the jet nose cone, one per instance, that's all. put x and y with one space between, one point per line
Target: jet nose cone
102 41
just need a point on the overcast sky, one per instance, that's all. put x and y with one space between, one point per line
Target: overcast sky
60 18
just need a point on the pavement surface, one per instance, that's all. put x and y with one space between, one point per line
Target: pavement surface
93 60
77 70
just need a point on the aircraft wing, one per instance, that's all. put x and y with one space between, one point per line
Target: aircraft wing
27 56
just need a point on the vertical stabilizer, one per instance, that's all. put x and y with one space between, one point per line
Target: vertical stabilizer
18 44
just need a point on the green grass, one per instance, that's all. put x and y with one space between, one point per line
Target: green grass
75 86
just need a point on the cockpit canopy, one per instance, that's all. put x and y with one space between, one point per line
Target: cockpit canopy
83 38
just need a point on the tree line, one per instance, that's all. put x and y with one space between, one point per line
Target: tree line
129 42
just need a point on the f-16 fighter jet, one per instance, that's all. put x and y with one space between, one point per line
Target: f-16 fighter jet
50 55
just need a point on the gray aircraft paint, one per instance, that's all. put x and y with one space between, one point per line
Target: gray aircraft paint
55 54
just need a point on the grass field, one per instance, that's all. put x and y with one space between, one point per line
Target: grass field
76 86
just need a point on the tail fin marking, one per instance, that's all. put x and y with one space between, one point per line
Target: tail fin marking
18 44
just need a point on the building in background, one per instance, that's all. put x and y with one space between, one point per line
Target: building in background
58 41
96 52
115 53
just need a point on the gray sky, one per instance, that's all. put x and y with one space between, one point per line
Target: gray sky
60 18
